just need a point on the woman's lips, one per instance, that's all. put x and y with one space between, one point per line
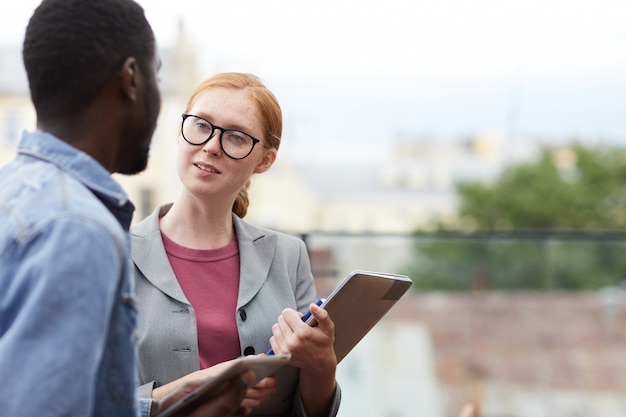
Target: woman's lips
206 167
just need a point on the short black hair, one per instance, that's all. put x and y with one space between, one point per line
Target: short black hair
72 48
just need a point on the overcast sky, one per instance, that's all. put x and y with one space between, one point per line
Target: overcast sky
444 67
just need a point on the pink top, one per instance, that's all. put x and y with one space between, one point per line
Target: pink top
210 280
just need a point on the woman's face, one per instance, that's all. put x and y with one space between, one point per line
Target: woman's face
205 170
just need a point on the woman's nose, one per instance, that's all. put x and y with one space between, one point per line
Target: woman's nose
213 144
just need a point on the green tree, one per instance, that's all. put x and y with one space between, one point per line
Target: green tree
587 191
575 189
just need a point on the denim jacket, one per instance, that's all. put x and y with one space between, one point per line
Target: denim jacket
67 314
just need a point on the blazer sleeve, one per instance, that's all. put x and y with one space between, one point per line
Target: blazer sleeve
298 407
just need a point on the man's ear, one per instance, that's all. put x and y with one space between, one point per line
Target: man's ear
267 161
130 80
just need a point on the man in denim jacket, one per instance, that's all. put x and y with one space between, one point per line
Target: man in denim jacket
67 317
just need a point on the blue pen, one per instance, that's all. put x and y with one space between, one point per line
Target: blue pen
304 319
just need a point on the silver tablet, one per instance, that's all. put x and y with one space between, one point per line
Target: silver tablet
263 366
358 303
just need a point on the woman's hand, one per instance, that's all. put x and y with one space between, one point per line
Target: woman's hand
312 350
260 393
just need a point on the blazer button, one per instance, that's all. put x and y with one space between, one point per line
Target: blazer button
248 351
242 314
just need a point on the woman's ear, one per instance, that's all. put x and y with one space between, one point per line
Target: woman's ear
268 159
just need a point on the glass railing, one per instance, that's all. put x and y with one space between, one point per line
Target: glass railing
527 324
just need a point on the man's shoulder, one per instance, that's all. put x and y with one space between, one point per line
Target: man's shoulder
35 194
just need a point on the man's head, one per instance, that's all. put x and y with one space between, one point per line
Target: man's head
73 49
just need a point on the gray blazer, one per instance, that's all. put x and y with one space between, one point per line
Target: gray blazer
275 274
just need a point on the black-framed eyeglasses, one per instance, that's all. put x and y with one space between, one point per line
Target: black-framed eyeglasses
236 144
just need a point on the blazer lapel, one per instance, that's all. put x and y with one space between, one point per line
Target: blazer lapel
256 253
150 257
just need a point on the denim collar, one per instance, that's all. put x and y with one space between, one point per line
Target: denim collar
83 167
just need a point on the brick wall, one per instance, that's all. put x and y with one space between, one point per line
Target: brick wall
554 341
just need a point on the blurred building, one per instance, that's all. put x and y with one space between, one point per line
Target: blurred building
412 187
523 354
16 110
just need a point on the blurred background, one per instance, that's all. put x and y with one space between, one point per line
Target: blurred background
475 145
